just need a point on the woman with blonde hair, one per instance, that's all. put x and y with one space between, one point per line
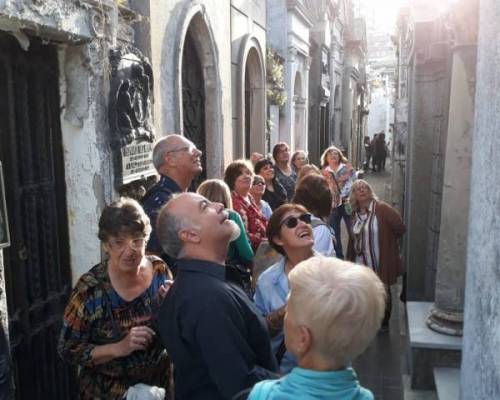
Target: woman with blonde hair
333 312
239 251
377 229
340 174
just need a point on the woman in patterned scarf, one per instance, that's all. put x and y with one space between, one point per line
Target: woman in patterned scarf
377 229
108 327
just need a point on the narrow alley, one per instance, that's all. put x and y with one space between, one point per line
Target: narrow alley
113 110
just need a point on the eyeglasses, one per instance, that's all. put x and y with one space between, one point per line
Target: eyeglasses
256 183
188 149
292 221
121 244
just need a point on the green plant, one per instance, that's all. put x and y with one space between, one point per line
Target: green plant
275 88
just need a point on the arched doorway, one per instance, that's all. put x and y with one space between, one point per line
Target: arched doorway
193 98
198 85
249 134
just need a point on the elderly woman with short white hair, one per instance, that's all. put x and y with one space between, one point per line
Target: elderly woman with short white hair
334 311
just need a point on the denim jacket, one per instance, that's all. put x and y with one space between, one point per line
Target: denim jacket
270 294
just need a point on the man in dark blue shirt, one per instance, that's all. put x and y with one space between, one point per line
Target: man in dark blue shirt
216 338
178 161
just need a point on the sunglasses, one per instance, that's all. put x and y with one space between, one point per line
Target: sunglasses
255 183
292 221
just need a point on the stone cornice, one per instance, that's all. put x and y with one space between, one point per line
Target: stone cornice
295 6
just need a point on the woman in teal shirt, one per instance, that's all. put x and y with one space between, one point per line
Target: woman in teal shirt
334 310
240 252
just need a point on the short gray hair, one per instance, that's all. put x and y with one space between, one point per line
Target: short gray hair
168 225
159 152
161 148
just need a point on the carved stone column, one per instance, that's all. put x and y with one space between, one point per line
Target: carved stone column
447 314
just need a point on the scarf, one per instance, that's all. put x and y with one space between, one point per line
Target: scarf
363 226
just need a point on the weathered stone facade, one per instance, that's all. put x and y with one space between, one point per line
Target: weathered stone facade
288 34
354 110
448 144
480 378
322 15
248 69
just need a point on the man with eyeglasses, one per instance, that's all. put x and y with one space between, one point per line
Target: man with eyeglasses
216 338
178 162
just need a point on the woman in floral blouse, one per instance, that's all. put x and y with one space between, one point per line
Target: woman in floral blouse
238 177
108 327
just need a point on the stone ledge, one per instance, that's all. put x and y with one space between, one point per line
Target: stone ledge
447 383
420 336
428 349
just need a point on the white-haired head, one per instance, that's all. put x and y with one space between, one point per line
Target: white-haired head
341 304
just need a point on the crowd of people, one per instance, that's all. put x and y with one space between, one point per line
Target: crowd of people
238 290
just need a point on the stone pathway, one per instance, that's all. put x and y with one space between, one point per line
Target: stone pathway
379 367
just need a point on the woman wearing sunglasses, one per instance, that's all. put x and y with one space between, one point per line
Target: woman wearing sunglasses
290 233
257 191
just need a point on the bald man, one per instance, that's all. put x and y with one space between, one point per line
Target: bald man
215 336
178 161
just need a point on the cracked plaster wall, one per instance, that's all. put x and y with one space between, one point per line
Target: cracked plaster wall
84 31
88 163
55 19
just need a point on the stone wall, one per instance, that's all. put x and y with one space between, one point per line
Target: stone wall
85 32
170 20
480 378
427 127
248 68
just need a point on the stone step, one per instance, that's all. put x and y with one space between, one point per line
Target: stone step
428 349
447 383
413 394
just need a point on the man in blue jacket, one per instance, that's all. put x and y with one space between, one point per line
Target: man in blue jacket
178 161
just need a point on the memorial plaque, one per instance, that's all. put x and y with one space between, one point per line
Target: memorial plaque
130 118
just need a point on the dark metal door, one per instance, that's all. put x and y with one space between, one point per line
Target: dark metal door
193 99
38 278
